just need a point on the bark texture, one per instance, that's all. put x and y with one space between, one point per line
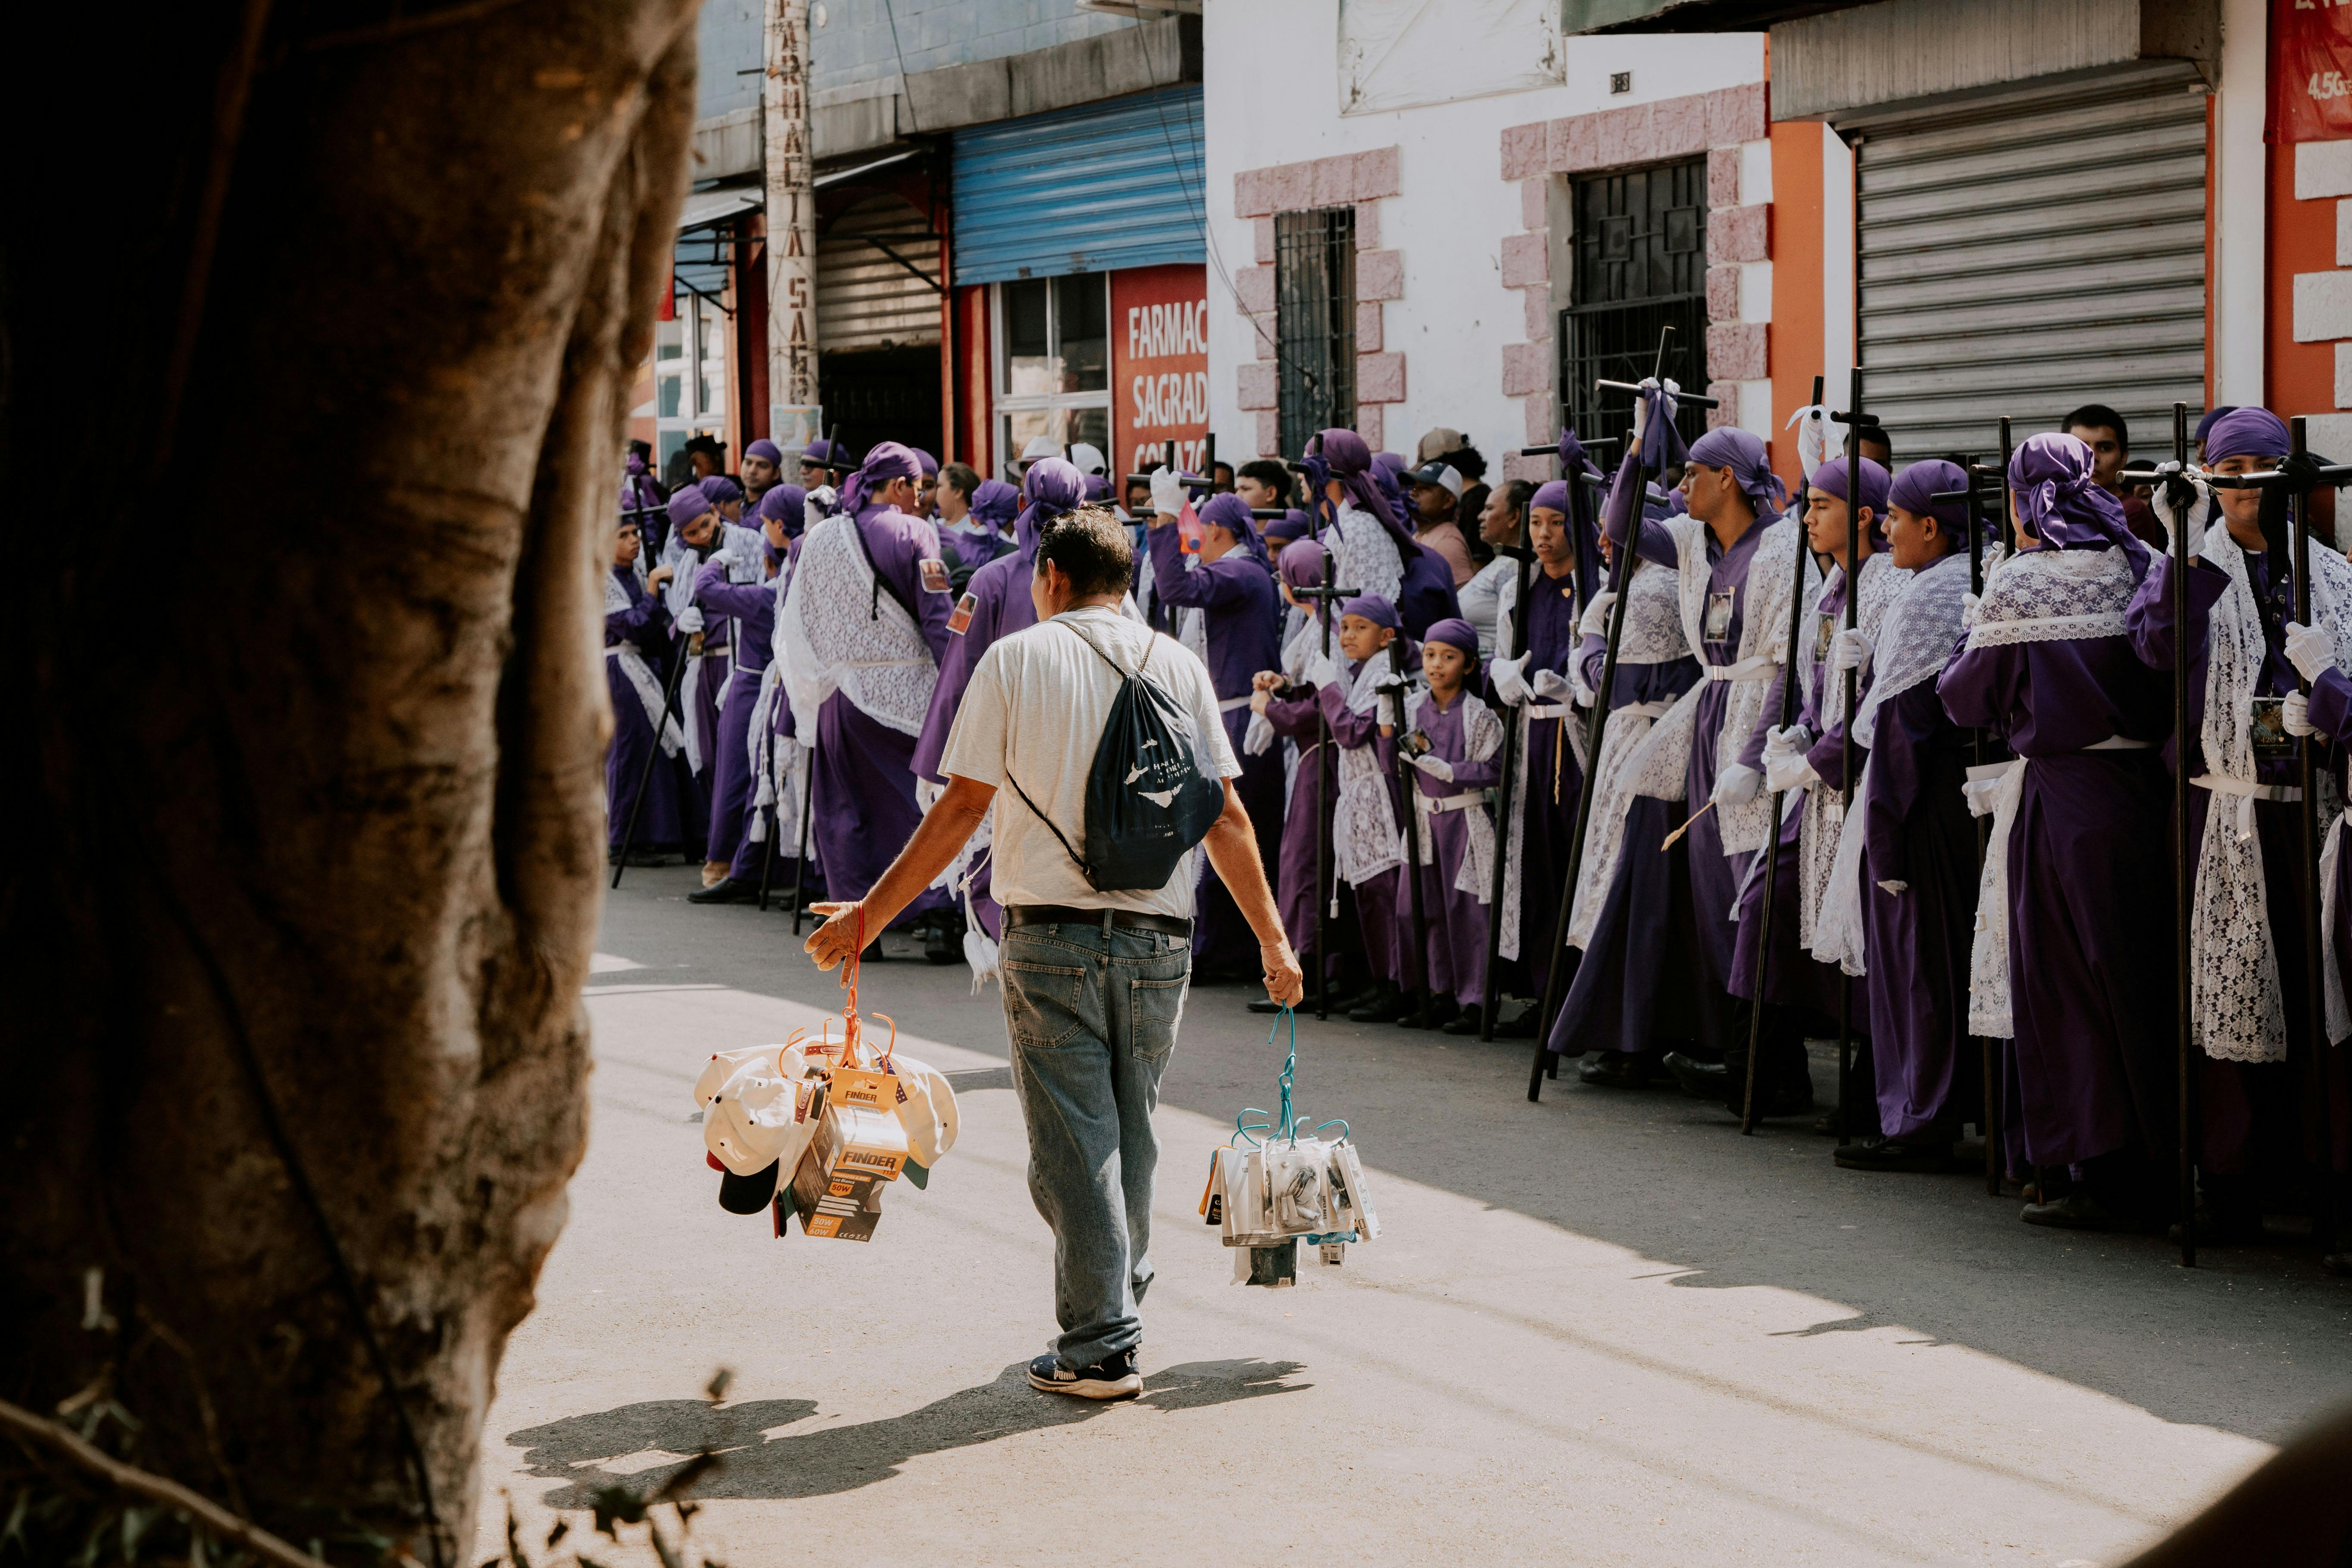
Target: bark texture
312 452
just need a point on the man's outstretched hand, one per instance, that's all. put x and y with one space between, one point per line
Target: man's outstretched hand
1284 981
835 941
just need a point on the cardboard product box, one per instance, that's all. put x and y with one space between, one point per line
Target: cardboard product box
836 1208
853 1141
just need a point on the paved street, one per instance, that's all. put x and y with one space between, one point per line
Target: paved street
1601 1330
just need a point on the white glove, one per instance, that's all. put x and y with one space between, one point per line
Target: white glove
1166 493
1785 742
1552 685
1850 649
1642 405
825 499
1784 773
2295 712
690 620
1737 785
1435 767
1322 670
1600 603
2200 510
1970 606
2309 650
1812 440
1897 889
1510 683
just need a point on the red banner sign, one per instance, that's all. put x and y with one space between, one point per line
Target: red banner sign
2311 71
1160 348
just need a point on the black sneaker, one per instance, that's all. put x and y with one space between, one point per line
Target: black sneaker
1113 1377
728 890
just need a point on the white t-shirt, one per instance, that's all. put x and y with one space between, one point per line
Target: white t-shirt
1481 599
1037 704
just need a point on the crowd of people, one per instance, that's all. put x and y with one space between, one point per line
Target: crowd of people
1942 697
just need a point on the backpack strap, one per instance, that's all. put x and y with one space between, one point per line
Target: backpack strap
1086 870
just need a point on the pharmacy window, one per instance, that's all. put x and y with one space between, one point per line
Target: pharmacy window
690 379
1053 361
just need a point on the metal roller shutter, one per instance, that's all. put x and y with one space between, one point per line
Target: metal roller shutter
1082 190
2032 252
865 298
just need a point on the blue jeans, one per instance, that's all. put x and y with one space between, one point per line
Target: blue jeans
1093 1014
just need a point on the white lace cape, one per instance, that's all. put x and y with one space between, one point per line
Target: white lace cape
1659 767
1365 837
639 674
779 764
1482 737
2042 596
1652 634
1364 555
837 636
1830 839
2235 1008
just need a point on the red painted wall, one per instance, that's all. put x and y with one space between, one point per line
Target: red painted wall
2298 378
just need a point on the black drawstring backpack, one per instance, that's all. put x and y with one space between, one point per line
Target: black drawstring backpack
1148 801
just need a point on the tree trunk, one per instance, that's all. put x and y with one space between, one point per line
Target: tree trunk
314 415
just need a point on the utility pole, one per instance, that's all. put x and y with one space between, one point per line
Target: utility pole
794 417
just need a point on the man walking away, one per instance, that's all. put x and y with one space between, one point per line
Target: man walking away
1094 981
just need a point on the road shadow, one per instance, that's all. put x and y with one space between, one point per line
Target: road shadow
580 1450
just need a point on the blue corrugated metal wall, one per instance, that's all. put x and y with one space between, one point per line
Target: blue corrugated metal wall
1081 190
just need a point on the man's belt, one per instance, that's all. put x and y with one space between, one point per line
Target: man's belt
1124 920
1438 806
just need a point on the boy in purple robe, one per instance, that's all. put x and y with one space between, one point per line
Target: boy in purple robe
636 631
748 607
1733 556
1452 741
1917 888
2076 956
1286 704
1367 844
763 468
864 624
1223 609
2252 1020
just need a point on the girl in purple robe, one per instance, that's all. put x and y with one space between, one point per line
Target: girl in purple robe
1366 842
636 629
2250 1015
1223 609
1914 895
864 624
1364 527
1733 556
1452 739
2074 954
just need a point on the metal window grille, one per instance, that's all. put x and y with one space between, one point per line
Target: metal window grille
1315 321
1640 249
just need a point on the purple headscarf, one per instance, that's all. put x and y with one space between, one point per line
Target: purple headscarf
2212 416
819 451
688 504
1097 488
886 462
1550 496
1301 566
1751 466
1916 484
1455 633
1231 514
994 503
2062 505
1351 465
763 447
1293 524
925 462
1051 487
2246 433
719 488
1376 608
786 505
1829 478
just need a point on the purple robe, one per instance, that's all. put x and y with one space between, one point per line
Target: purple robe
2331 713
1234 596
1455 963
2092 972
660 823
1379 896
750 610
863 808
1296 888
1632 985
1547 811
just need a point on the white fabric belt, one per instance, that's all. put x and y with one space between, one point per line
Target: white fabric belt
721 651
1234 704
1756 667
1644 710
1438 806
2120 743
882 664
2247 795
1549 710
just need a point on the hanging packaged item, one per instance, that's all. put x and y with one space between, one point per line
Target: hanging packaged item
1275 1186
816 1127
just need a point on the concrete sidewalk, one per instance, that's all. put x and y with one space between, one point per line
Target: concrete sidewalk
1604 1329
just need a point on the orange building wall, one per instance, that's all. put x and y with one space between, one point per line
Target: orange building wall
2297 378
1796 336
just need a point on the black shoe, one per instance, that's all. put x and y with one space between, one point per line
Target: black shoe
1828 1126
942 942
2230 1225
641 856
1466 1023
1442 1011
1879 1153
1700 1080
1113 1377
2077 1210
1618 1070
1521 1025
1263 1006
727 891
1772 1104
1386 1007
873 954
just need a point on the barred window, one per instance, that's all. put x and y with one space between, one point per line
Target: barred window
1315 321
